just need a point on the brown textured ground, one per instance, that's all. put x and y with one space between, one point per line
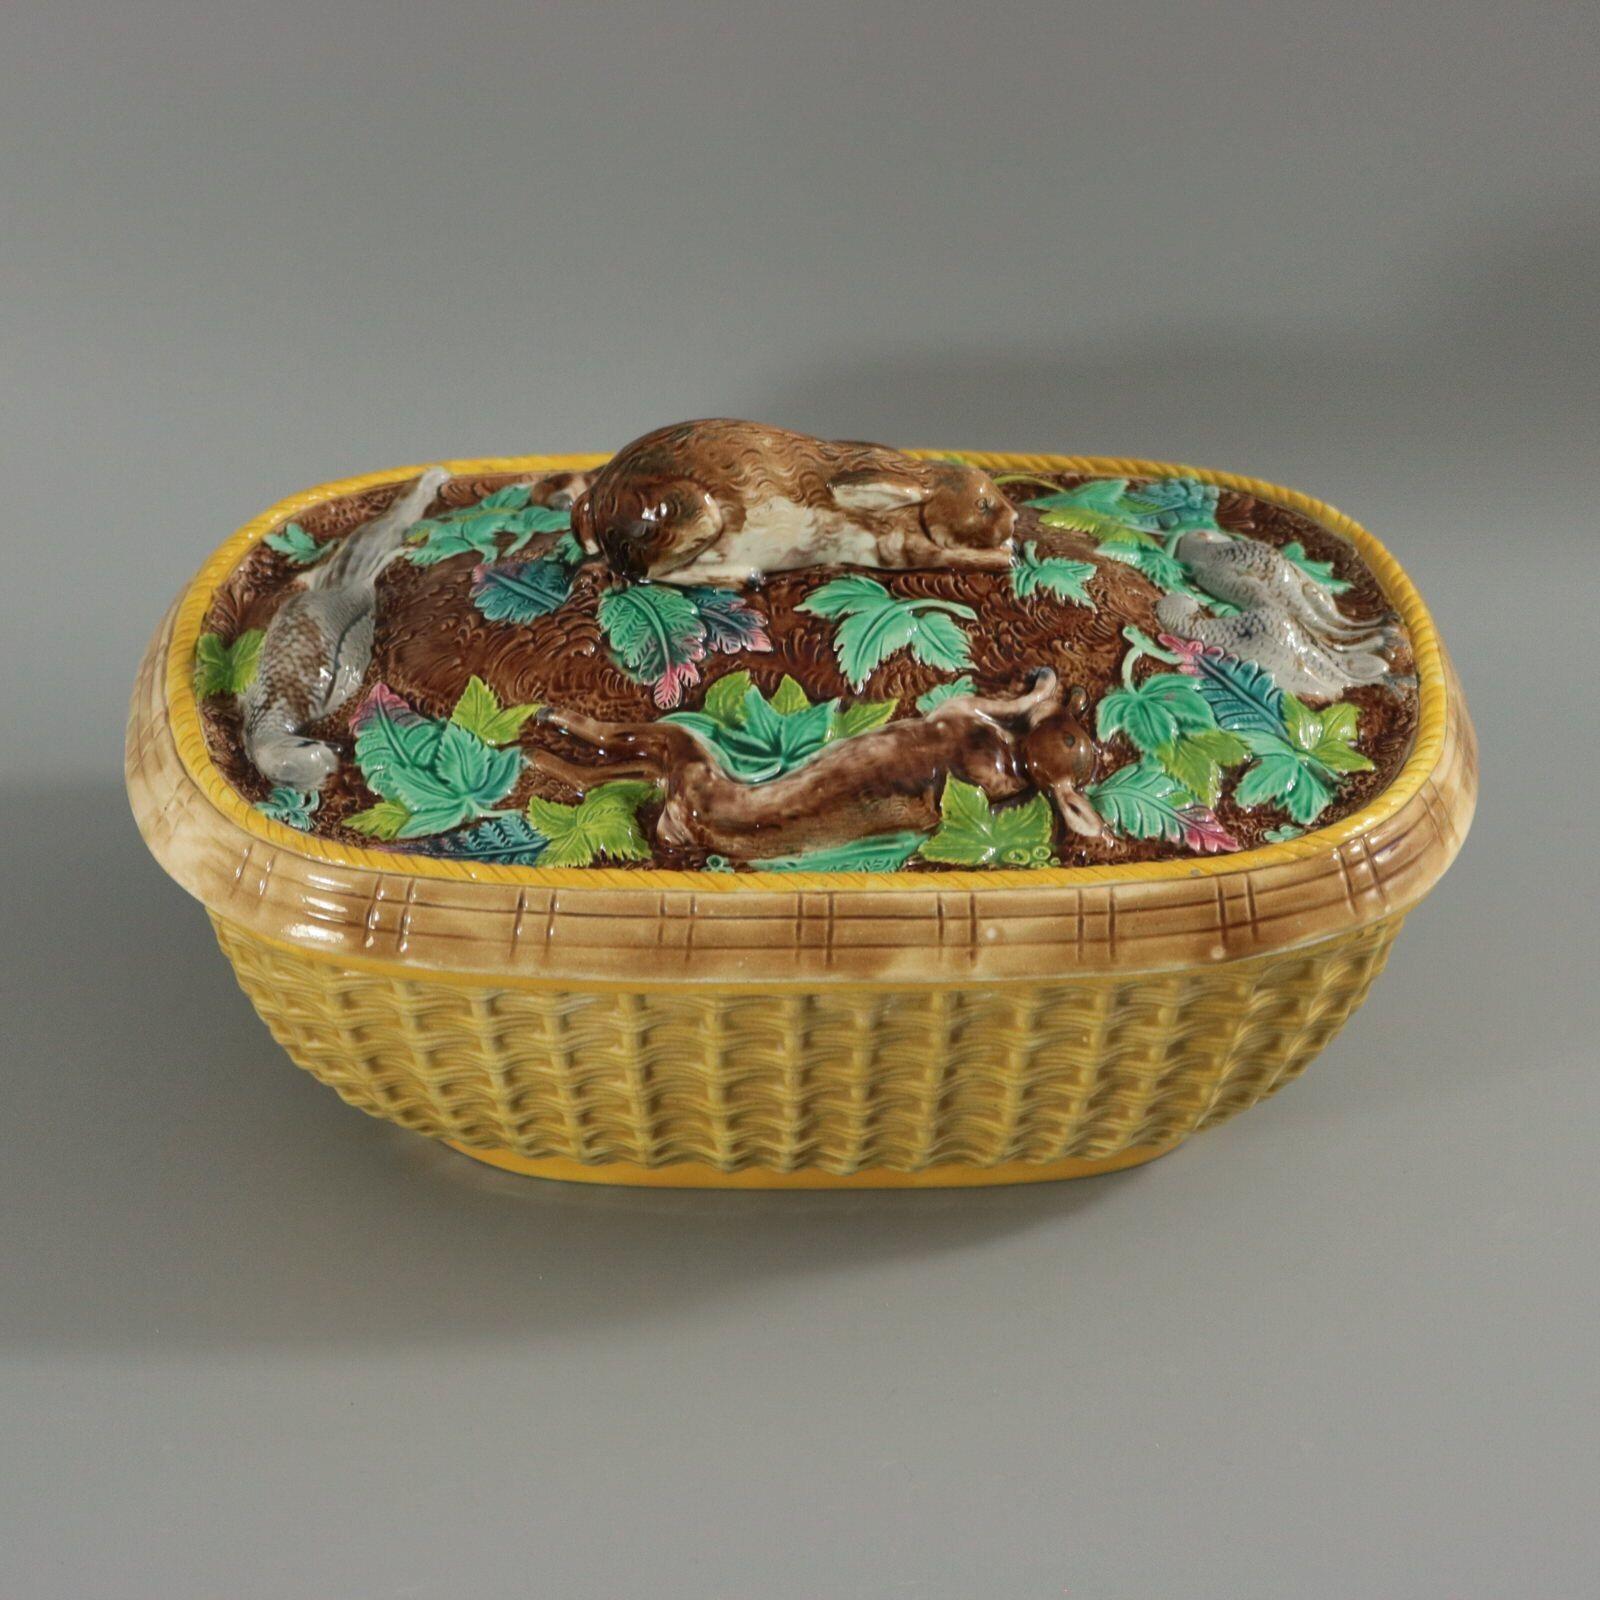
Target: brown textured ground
431 639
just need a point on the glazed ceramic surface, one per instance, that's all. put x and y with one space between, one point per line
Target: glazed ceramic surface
740 707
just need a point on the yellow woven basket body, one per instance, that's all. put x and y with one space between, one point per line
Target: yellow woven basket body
820 1029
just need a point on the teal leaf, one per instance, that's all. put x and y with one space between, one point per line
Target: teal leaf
729 622
884 852
940 692
971 833
1165 571
1242 695
656 637
540 519
1146 802
761 738
1063 578
477 529
1286 779
845 595
659 633
292 807
877 624
1155 712
1173 505
764 743
521 591
1318 571
296 544
440 772
511 841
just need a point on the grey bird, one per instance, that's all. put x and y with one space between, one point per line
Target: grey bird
1250 573
1268 635
319 644
1286 621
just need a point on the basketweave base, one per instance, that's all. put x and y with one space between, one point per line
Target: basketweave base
891 1086
699 1175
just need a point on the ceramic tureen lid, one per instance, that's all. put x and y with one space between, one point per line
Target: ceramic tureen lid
737 703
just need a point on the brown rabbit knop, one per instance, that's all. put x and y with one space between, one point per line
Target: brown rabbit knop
721 501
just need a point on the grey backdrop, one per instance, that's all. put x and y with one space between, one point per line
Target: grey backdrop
255 1345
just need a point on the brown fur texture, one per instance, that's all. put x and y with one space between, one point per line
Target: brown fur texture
878 782
683 494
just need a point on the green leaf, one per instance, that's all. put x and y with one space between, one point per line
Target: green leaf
382 821
656 637
1155 712
724 702
226 668
521 591
478 711
789 696
884 852
876 624
1108 508
1282 835
603 824
292 807
1094 508
1197 760
1146 802
1318 571
862 717
1327 737
973 834
440 772
294 542
245 659
1063 578
940 692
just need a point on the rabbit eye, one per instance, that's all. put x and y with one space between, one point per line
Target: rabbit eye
985 503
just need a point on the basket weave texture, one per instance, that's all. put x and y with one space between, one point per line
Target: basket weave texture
839 1080
800 1023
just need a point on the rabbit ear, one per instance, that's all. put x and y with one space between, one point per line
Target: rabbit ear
869 490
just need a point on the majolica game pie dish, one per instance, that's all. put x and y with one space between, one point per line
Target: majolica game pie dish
757 810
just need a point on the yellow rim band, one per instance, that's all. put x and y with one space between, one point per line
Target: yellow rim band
701 1175
189 733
